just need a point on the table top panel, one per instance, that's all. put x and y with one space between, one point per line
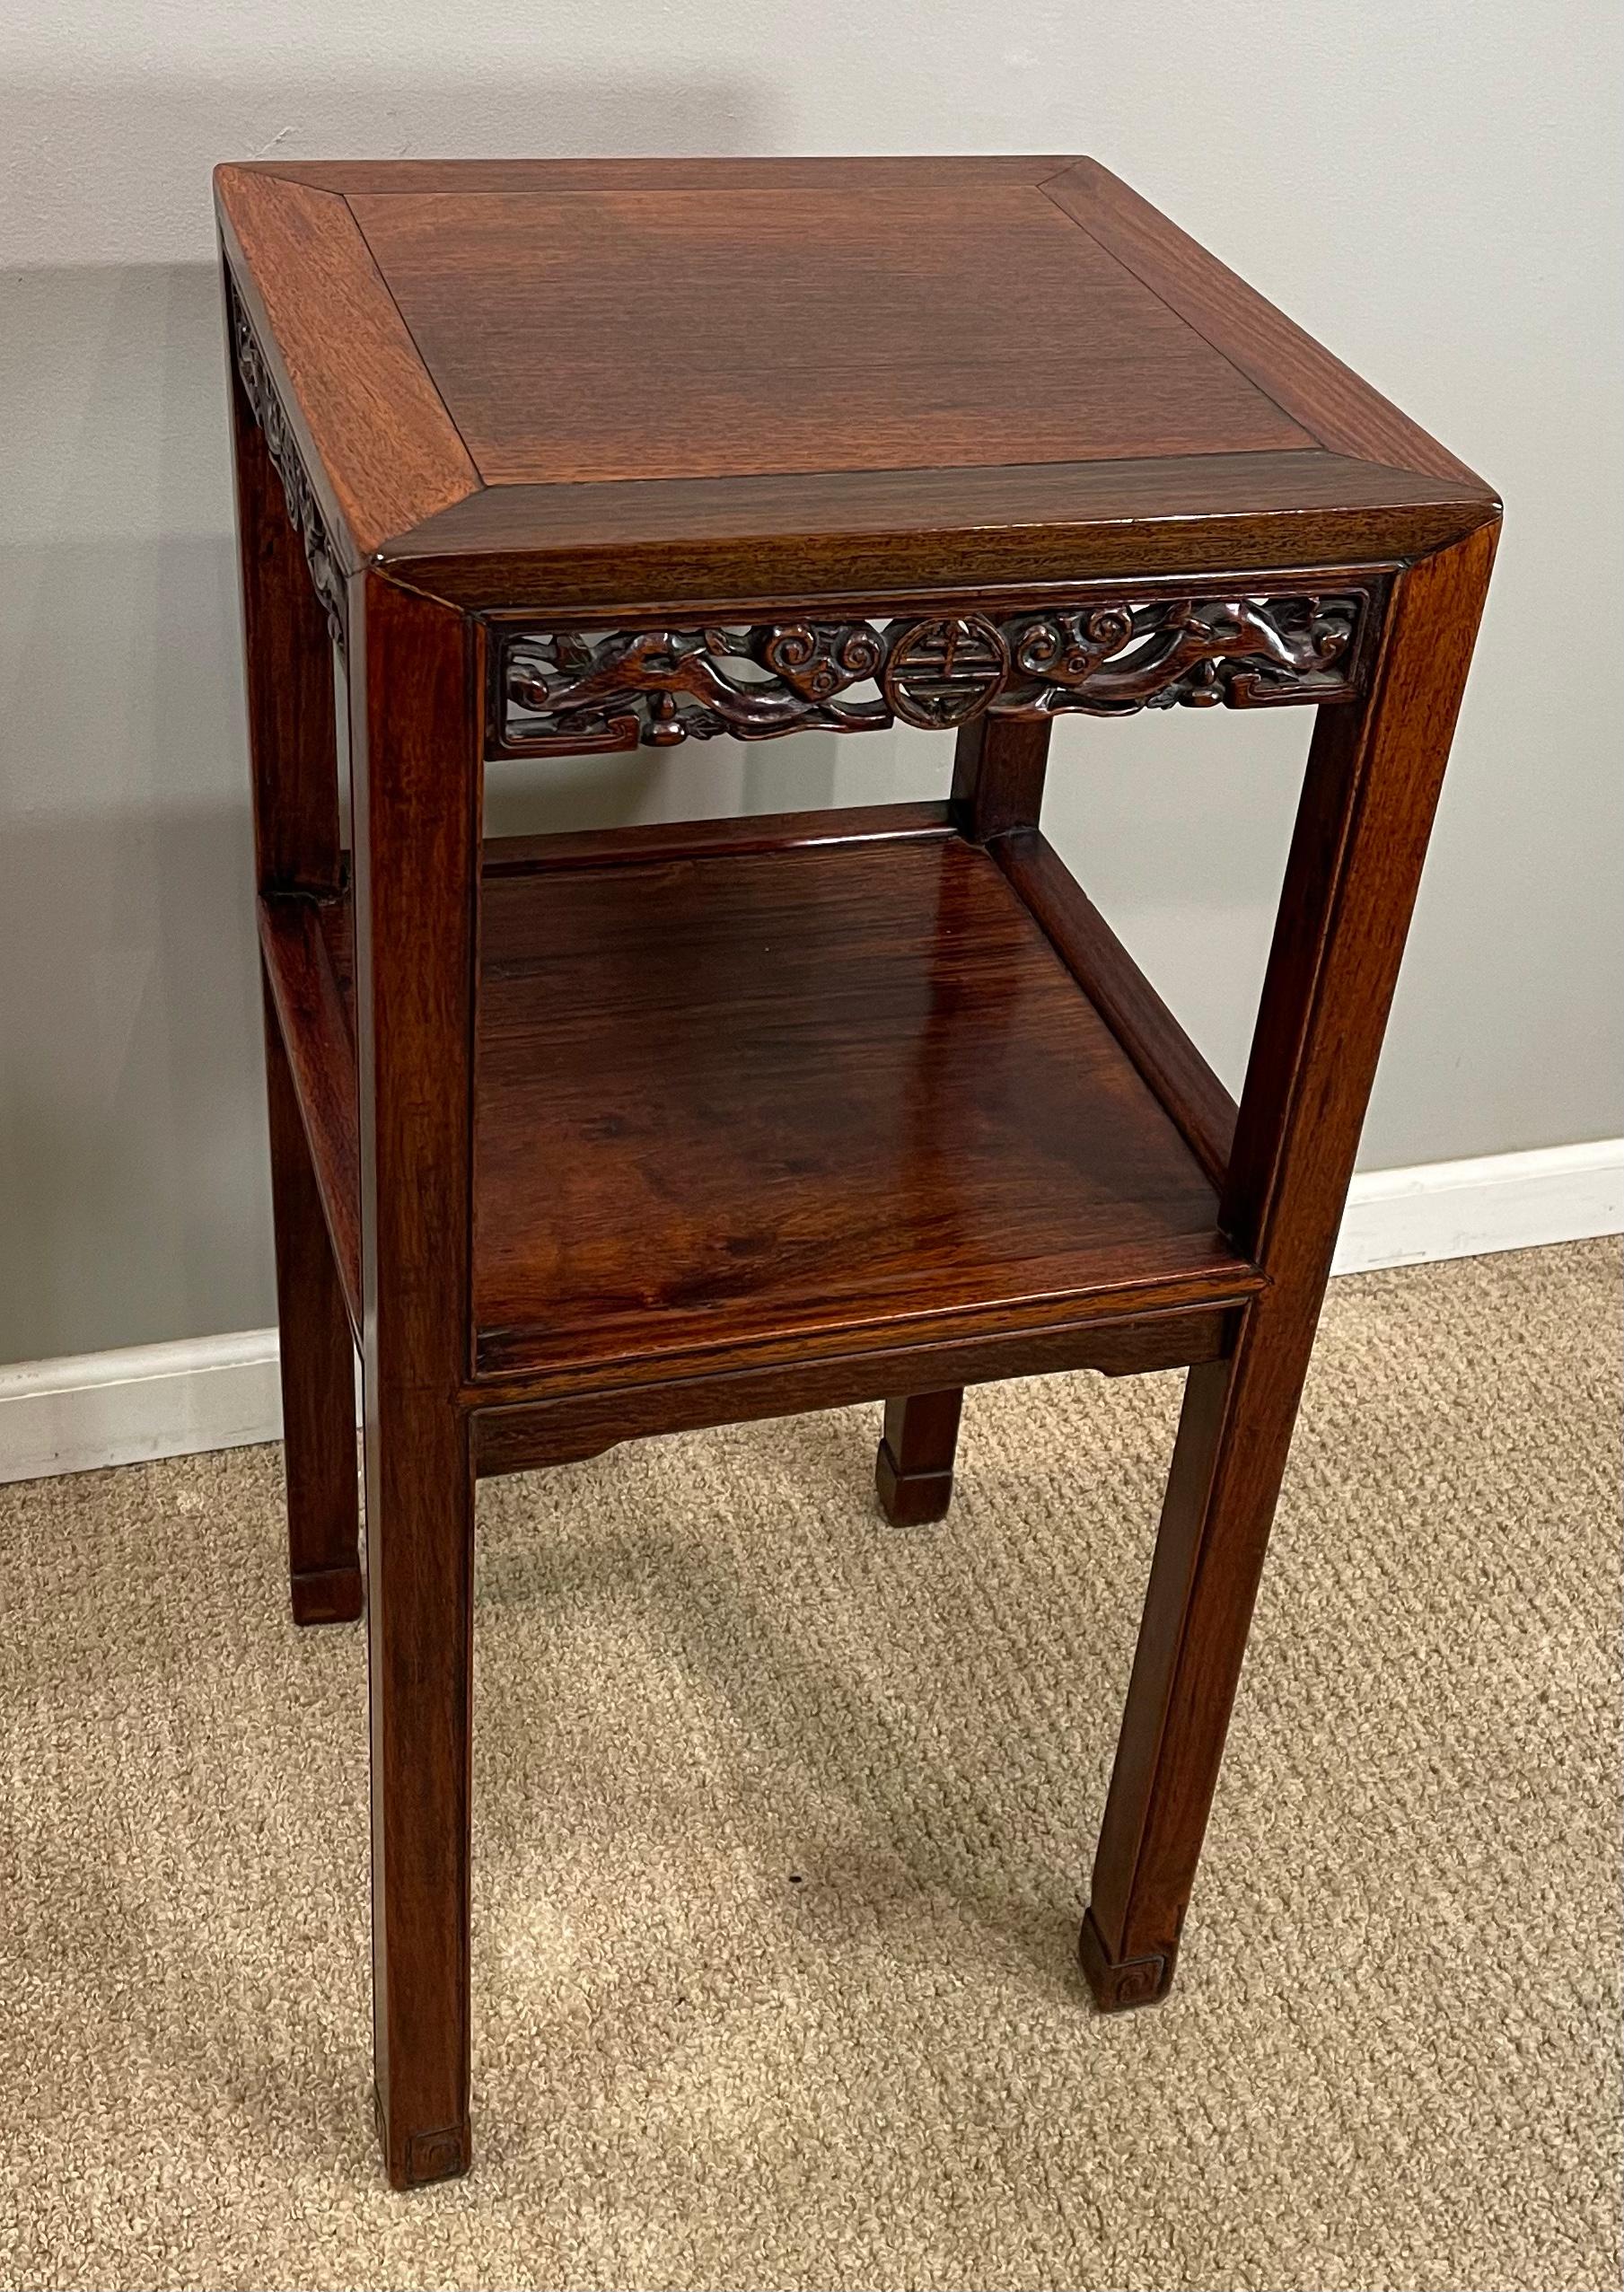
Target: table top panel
475 357
578 335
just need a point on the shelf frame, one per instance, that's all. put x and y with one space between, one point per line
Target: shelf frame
1166 1316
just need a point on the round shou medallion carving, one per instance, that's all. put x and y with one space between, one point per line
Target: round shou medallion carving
939 672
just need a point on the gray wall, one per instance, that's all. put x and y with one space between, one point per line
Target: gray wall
1434 191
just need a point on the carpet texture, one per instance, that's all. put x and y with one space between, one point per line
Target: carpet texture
782 1822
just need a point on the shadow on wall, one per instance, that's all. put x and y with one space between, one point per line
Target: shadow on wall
133 1195
133 1202
129 1208
133 1189
111 149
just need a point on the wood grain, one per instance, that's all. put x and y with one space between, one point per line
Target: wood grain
312 994
857 327
1331 401
1367 805
415 759
1161 1051
311 962
885 1097
379 444
854 534
622 1133
514 1435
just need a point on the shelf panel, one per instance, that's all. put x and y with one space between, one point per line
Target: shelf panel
754 1092
760 1101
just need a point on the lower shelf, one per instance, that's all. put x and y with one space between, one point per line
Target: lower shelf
748 1095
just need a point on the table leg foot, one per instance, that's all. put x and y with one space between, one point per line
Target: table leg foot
327 1595
914 1467
1119 1985
423 2158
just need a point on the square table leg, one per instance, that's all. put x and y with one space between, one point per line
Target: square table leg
289 668
999 763
1370 788
914 1469
317 1362
415 765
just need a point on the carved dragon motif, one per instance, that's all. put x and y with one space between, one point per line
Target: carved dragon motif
563 691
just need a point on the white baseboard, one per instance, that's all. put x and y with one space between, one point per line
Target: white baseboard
100 1409
1496 1201
97 1409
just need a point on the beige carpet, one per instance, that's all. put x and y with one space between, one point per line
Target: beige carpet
783 1821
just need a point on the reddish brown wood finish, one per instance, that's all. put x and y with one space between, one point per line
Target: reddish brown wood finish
529 310
376 438
828 1021
415 760
1362 828
914 1469
510 1434
308 970
566 690
997 789
293 747
880 823
998 774
759 1318
289 678
318 1368
1225 438
618 1134
1342 411
1158 1046
352 177
842 536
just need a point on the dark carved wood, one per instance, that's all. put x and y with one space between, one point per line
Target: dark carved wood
303 507
566 690
1194 653
940 673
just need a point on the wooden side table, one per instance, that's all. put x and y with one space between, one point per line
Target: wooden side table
581 1137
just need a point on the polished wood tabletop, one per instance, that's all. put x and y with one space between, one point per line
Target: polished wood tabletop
681 370
584 1138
